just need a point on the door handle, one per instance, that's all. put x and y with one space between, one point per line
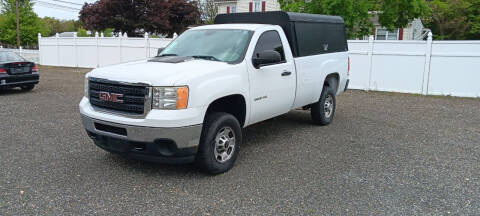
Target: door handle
286 73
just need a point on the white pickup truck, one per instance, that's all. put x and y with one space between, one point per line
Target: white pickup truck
190 103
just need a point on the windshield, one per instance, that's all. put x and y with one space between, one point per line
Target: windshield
10 57
226 45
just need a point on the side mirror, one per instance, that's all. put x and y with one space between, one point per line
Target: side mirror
160 51
266 57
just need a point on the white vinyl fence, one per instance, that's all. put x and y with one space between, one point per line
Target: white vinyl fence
92 52
423 67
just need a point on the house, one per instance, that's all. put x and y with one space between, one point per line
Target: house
70 34
413 31
241 6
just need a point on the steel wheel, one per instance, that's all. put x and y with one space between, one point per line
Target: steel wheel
328 106
224 144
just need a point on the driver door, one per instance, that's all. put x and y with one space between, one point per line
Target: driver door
272 87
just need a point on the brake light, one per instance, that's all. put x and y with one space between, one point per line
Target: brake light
35 68
348 72
2 70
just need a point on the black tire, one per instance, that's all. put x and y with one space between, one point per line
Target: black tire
27 87
214 123
318 112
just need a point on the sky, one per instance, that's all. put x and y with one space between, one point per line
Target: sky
61 9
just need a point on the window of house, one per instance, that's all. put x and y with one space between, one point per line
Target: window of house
270 40
257 6
383 34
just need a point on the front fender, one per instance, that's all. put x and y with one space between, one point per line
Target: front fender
204 88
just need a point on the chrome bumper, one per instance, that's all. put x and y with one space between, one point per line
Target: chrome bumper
183 137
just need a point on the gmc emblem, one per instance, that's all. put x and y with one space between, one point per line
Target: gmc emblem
112 97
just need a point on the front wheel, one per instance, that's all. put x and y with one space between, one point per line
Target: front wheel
322 112
219 143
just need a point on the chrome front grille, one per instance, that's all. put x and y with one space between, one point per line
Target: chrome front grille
135 99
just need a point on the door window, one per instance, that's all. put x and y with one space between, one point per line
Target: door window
270 40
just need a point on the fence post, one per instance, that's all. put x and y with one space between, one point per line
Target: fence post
97 50
428 58
58 49
147 48
39 49
75 48
20 50
120 35
370 59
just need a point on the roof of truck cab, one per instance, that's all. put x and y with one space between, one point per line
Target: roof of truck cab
248 26
275 17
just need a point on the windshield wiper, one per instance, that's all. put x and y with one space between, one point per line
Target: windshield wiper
212 58
167 54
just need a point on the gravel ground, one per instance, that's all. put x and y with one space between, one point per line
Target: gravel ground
385 153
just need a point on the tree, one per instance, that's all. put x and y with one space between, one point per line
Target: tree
455 19
81 32
392 13
398 13
30 24
53 25
108 32
138 16
208 11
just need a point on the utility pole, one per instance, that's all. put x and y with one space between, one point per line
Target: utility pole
18 23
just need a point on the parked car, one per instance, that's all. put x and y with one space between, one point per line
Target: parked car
190 103
15 71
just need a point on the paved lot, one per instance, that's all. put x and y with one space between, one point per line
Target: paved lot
384 154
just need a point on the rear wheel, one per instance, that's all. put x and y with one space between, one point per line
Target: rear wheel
219 143
27 87
322 112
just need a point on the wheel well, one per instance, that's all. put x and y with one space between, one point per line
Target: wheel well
332 81
233 104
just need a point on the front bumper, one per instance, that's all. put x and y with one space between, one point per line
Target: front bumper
164 145
19 80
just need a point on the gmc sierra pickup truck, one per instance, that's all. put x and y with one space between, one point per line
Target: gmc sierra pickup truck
190 103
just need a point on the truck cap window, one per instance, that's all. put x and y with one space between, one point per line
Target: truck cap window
320 38
226 45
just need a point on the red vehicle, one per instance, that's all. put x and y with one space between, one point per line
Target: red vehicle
15 71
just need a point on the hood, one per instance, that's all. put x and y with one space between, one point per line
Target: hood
157 73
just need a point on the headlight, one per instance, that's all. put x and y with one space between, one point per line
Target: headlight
85 85
170 97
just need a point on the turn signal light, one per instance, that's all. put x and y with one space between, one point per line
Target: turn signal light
182 97
35 68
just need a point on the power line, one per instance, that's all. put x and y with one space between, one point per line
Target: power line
56 6
67 2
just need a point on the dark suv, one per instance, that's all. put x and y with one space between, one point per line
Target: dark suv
15 71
